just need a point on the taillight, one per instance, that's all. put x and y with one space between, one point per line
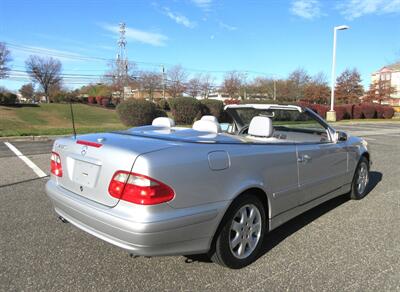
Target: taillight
89 143
139 189
55 164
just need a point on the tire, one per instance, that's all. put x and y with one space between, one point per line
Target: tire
241 233
359 185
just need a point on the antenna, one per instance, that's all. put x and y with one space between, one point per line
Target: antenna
72 117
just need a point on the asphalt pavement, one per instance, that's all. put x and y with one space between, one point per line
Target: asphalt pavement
342 245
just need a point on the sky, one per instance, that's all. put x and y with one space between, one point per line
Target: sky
268 38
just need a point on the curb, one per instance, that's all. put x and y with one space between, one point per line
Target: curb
31 138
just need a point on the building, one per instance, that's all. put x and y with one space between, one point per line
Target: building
390 74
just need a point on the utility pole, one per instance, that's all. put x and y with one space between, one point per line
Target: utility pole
122 59
163 81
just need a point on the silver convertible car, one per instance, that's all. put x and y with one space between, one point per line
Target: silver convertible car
213 188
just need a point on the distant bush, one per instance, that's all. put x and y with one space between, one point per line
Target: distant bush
379 111
98 99
368 110
232 101
357 111
185 109
212 107
340 112
91 100
8 98
321 109
163 104
138 112
388 112
105 101
83 99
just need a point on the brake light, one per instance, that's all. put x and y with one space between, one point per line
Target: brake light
139 189
55 164
89 143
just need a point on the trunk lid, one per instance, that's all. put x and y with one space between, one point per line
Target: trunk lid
89 165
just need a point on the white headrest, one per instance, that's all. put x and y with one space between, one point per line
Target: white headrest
260 127
207 126
163 122
209 118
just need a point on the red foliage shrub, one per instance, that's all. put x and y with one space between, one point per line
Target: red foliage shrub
357 112
348 111
98 99
320 109
105 101
388 112
232 101
379 111
91 100
368 110
340 112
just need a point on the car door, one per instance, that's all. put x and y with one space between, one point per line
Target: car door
322 163
322 168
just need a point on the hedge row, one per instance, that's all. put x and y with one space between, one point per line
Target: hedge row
356 111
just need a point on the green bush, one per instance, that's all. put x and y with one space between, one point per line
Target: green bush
185 109
212 107
163 104
8 98
138 112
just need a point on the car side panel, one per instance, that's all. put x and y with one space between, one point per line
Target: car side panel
272 168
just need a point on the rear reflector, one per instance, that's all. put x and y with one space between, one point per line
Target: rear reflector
89 143
139 189
55 164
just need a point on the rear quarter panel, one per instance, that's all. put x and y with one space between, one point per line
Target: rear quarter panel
185 168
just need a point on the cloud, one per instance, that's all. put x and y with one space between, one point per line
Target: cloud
227 26
308 9
356 8
203 4
145 37
179 19
21 52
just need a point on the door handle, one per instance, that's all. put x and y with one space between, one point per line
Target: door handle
304 158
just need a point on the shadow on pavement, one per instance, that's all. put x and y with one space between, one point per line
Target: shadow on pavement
282 232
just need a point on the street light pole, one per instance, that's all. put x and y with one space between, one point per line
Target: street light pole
331 114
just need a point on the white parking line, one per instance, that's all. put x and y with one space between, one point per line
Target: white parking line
33 166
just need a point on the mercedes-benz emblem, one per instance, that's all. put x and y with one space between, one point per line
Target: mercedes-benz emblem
84 150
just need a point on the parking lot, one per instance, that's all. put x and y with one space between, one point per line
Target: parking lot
341 245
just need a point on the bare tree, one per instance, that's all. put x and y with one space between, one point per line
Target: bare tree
27 91
380 90
5 57
296 83
176 80
194 86
150 82
232 83
45 71
207 83
317 89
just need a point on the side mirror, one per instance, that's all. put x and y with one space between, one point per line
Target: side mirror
341 136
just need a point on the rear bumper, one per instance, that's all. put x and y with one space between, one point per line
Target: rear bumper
142 230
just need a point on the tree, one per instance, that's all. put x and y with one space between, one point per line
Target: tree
296 84
379 91
27 91
317 89
194 86
176 81
150 82
348 87
45 71
232 83
206 85
5 57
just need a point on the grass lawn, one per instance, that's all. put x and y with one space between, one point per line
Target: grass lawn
55 119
